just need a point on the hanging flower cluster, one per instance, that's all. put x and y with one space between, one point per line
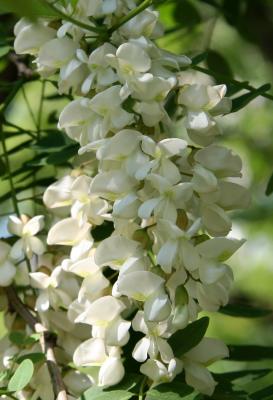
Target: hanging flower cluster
163 202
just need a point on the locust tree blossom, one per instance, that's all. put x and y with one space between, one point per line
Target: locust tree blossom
161 201
26 229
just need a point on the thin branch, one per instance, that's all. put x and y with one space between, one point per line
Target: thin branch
47 342
7 163
243 85
73 20
130 15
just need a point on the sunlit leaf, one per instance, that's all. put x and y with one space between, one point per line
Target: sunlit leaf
169 391
22 376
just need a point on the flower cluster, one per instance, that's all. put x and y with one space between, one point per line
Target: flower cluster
163 202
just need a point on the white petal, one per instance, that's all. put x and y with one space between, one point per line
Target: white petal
7 273
133 57
90 352
59 193
140 352
139 285
39 280
219 248
115 250
157 307
146 208
199 378
166 255
36 245
111 372
117 333
15 225
68 232
4 251
208 351
102 311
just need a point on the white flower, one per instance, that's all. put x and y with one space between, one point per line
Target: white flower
130 61
56 53
196 360
159 372
170 198
100 73
27 229
202 102
89 120
7 268
51 294
144 24
30 36
102 311
177 248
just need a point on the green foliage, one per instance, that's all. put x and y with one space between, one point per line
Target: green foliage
240 102
186 14
263 394
34 357
166 391
250 353
189 337
27 8
22 376
96 393
244 311
218 63
269 188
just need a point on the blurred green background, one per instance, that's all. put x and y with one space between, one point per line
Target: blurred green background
237 36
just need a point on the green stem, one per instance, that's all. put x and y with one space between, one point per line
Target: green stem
141 390
130 15
40 111
74 21
243 85
12 188
29 108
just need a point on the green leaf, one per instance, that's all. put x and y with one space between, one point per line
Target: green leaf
63 155
189 337
39 182
169 391
269 188
3 375
216 62
22 376
250 353
34 357
199 58
17 337
233 375
242 101
27 8
244 311
186 14
3 168
21 146
4 50
96 393
263 394
129 382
